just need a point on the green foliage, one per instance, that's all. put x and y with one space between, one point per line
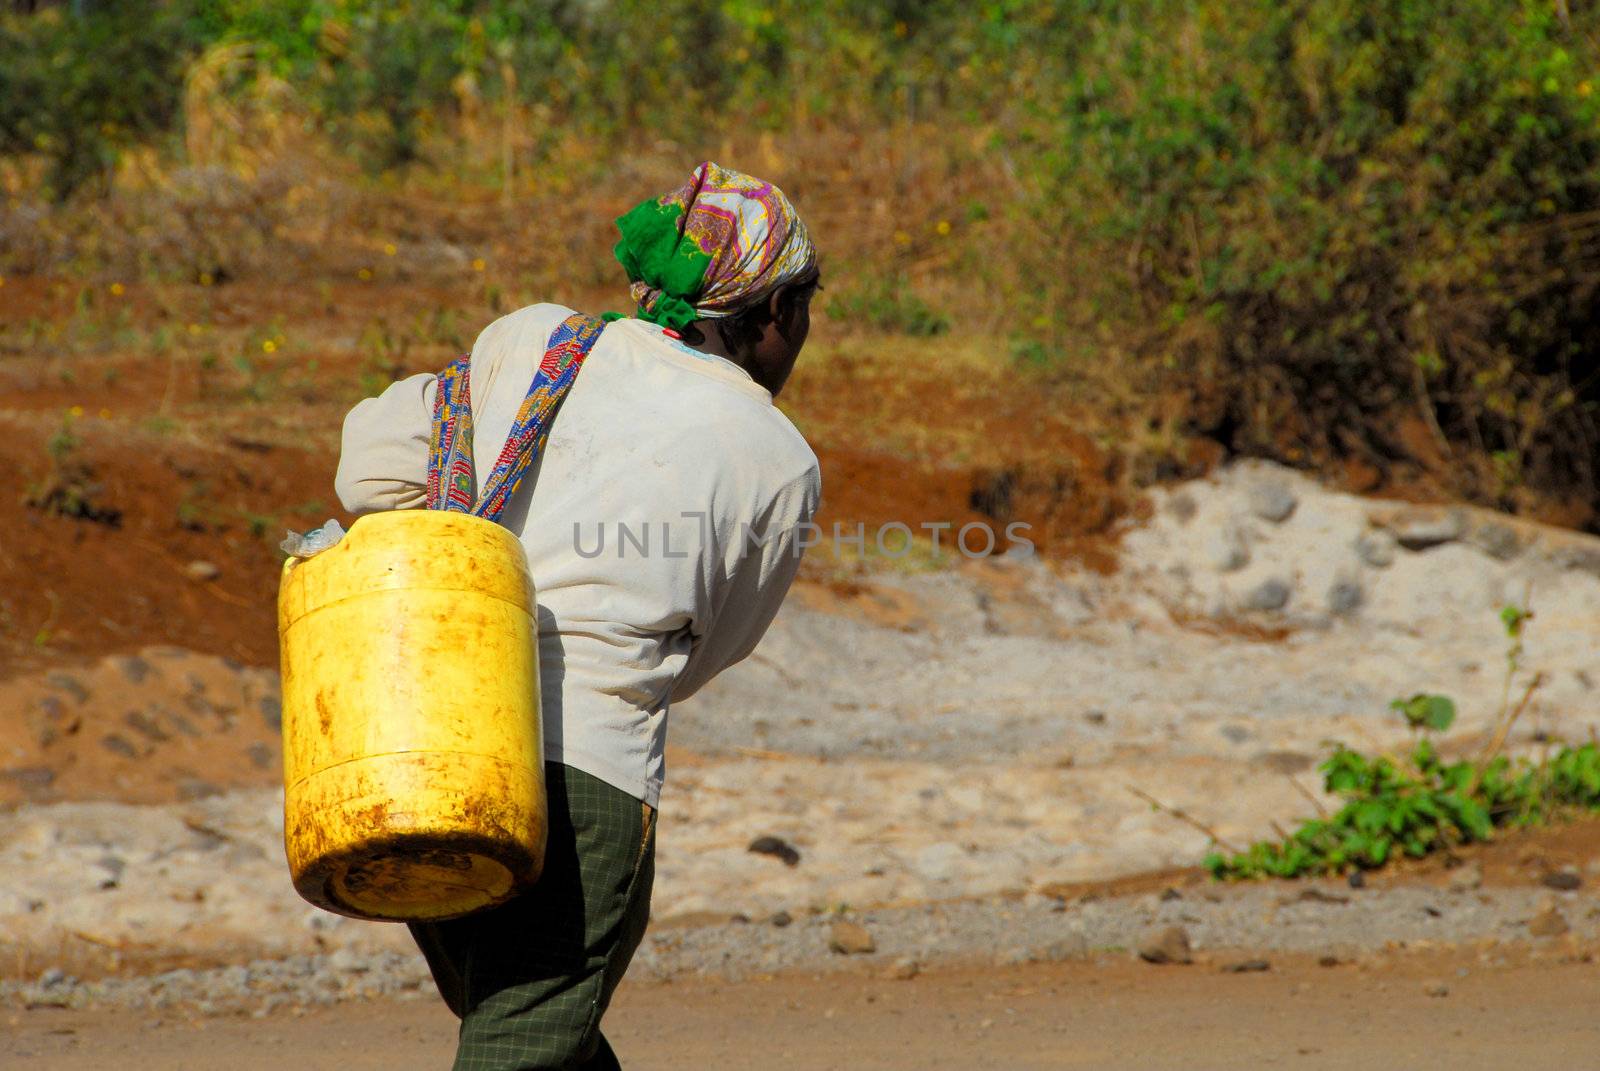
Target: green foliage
1340 216
69 488
383 74
1312 228
886 304
1420 803
1432 712
78 90
1419 806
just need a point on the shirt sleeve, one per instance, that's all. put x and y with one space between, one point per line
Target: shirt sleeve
383 455
747 601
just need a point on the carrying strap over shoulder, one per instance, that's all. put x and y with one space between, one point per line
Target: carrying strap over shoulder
451 480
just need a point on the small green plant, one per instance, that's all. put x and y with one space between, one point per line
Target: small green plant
886 304
195 511
69 488
383 355
1418 803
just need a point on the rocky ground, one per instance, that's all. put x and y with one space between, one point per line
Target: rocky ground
945 755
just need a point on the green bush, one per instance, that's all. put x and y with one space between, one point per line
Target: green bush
886 304
1317 228
1333 222
380 74
1419 803
1419 806
77 90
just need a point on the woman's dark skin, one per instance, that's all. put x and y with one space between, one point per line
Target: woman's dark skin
764 339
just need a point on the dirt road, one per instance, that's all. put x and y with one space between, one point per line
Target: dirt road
1109 1014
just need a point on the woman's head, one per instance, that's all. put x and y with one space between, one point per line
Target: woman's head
726 261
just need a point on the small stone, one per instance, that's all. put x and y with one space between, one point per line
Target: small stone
781 919
271 711
1422 529
69 684
145 725
1016 957
1169 894
1467 878
1170 945
776 847
180 723
1497 540
1327 961
1247 966
49 720
1356 880
1314 895
903 969
192 788
851 938
1182 506
260 755
1548 923
1095 717
1270 595
1436 988
1228 551
201 571
53 977
1377 548
1072 946
118 746
349 961
1581 558
29 778
132 667
113 866
1344 595
1563 880
1286 762
1272 501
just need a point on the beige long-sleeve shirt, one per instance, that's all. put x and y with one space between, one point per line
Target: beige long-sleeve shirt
663 523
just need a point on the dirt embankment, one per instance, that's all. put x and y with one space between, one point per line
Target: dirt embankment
165 436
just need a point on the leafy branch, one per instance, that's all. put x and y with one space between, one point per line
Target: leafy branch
1418 803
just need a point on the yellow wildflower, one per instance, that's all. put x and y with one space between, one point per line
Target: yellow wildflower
194 329
117 289
389 249
364 274
943 227
268 346
478 264
76 411
105 414
902 238
206 278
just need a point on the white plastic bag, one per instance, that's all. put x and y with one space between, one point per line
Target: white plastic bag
313 542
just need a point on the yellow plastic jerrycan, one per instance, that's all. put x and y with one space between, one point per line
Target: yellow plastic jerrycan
412 760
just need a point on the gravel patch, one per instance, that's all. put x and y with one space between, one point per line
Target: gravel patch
1222 925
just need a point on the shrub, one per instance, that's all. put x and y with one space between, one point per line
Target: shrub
886 304
1346 220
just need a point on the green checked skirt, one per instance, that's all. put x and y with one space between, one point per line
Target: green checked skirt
531 978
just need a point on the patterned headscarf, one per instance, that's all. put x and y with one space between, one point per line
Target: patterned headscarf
712 247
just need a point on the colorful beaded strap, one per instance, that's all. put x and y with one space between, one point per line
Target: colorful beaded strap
451 483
